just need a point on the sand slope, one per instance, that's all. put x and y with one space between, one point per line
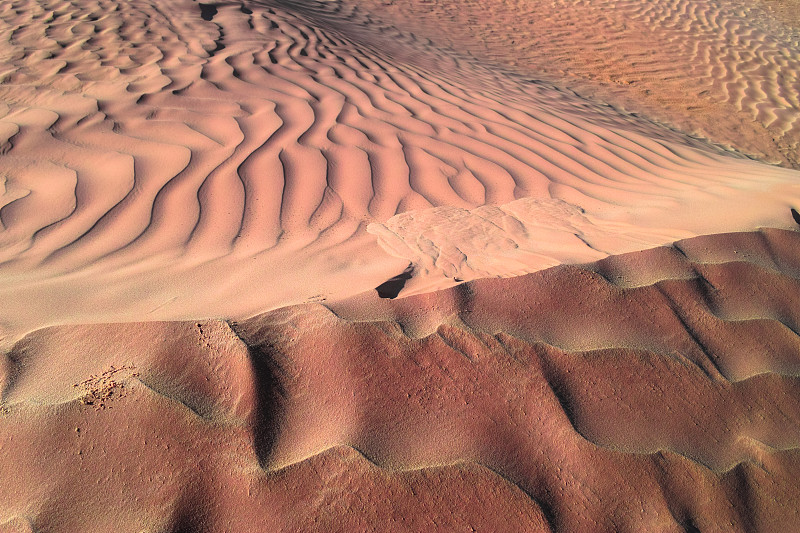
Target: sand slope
602 400
199 200
161 161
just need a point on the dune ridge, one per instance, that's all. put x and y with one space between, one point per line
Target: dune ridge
159 161
443 410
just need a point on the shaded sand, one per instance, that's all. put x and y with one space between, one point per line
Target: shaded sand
651 391
162 161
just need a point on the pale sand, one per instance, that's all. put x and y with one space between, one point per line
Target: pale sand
161 166
165 160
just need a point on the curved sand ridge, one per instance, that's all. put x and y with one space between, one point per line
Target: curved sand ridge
161 161
652 391
726 70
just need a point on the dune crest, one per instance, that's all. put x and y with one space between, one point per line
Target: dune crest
653 390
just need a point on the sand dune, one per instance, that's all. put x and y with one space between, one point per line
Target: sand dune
154 153
580 218
602 400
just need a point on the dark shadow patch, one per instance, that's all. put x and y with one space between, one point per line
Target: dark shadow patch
270 393
392 287
190 515
742 494
535 489
674 493
561 390
689 526
245 10
795 215
268 364
14 363
217 46
207 11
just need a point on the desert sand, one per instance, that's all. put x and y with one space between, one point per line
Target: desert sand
399 265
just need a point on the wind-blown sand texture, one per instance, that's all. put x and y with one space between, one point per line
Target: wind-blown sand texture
580 340
724 70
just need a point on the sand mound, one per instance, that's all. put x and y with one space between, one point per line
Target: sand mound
180 161
601 400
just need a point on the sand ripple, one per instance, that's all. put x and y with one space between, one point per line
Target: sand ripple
726 70
161 160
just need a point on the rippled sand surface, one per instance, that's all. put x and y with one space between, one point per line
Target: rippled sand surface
578 217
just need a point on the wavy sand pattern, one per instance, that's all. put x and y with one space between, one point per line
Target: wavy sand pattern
726 70
197 201
227 145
